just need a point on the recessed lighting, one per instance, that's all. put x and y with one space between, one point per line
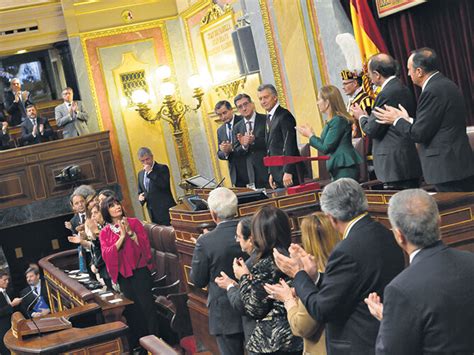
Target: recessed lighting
21 51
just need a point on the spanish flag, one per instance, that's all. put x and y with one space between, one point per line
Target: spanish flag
367 35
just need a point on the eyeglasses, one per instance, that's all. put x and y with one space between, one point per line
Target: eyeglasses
242 105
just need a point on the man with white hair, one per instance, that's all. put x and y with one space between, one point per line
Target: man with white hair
429 307
214 252
366 259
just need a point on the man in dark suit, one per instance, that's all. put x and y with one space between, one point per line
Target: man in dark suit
225 141
250 142
214 252
7 305
429 307
35 297
366 259
154 188
439 127
280 137
35 129
16 102
396 159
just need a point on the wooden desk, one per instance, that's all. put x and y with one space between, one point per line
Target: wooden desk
100 339
65 292
457 228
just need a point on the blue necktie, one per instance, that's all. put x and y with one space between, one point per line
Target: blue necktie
146 181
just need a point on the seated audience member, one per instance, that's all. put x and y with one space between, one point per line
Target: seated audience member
4 136
7 305
35 129
439 127
71 116
35 297
336 137
429 307
272 334
319 239
366 260
16 102
103 194
243 236
213 254
127 256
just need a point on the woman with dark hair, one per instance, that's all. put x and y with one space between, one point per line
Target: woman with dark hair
127 256
103 194
319 238
272 334
243 235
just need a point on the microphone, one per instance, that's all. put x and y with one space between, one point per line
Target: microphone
27 294
220 182
29 315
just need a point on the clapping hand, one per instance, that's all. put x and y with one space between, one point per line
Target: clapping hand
357 112
280 292
41 128
288 265
226 147
240 269
308 260
224 281
375 305
389 114
305 130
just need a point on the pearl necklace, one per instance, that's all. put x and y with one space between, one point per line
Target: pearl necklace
114 228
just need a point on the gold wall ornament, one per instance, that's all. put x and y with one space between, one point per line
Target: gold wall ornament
131 82
127 16
231 89
173 111
214 13
267 26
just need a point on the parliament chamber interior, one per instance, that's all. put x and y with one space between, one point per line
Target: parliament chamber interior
131 129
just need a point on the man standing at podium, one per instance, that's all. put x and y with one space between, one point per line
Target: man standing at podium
35 297
280 137
6 309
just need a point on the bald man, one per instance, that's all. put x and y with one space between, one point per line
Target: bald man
396 159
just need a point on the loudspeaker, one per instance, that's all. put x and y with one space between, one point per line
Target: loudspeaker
245 50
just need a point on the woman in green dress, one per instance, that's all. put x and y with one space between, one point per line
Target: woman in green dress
336 139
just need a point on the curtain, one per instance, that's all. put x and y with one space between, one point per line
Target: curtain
445 26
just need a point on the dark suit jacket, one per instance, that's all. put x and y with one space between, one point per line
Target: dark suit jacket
4 140
75 222
254 154
237 163
158 198
429 307
440 128
29 301
214 252
5 317
17 110
281 140
365 261
395 155
27 131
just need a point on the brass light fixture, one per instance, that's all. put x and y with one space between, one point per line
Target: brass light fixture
172 110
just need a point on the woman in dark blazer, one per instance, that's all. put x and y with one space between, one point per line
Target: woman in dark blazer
336 137
272 333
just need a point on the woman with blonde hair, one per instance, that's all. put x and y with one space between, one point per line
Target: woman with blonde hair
319 239
336 137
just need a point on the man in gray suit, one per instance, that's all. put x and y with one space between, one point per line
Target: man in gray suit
214 252
396 160
71 116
